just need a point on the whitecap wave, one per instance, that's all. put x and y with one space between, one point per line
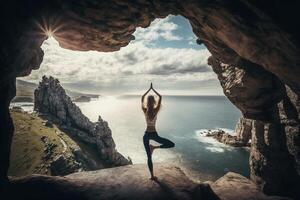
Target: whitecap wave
214 145
26 106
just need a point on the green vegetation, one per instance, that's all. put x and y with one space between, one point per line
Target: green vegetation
29 150
37 142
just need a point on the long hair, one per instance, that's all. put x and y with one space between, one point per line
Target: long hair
151 104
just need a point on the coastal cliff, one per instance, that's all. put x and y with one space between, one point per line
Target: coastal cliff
96 147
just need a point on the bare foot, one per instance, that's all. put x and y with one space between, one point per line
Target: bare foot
153 178
151 148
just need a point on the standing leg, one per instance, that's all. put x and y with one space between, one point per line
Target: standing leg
149 156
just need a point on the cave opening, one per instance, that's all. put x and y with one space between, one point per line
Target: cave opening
165 53
259 74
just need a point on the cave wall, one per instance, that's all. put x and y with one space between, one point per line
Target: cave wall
273 123
260 39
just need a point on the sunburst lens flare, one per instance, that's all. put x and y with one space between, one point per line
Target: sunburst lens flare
49 33
48 27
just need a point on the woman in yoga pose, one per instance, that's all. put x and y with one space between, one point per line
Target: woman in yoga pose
150 110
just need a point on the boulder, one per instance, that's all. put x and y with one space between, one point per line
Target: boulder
62 166
233 186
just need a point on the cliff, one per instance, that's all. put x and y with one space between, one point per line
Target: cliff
270 112
25 92
40 147
52 103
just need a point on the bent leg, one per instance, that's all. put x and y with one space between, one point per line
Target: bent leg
147 148
165 143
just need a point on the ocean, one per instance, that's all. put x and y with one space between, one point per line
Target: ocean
181 119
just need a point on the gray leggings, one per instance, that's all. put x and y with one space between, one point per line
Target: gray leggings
165 143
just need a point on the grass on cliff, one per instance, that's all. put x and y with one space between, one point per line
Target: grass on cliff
28 148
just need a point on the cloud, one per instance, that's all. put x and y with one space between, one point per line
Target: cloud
159 29
133 67
179 68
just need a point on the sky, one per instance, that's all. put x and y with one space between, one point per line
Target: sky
165 53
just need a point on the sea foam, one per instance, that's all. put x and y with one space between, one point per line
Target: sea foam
214 145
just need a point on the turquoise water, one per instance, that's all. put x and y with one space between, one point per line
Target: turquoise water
181 119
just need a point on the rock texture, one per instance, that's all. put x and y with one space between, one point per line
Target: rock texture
273 123
7 91
240 138
257 40
52 101
132 182
231 30
233 186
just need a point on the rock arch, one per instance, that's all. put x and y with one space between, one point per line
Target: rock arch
258 42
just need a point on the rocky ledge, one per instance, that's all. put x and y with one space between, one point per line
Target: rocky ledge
53 104
132 182
242 134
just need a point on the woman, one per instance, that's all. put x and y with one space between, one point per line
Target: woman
150 110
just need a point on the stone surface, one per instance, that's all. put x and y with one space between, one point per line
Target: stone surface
243 130
52 101
61 166
234 186
226 138
132 182
271 164
240 138
254 91
272 119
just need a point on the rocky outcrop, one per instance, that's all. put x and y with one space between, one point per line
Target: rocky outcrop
226 138
271 164
254 91
289 110
61 166
243 130
52 101
132 182
273 120
240 138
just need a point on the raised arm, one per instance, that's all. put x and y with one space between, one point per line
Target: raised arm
143 98
159 98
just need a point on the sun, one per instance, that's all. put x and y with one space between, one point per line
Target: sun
48 27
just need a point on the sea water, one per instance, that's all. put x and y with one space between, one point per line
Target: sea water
182 119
